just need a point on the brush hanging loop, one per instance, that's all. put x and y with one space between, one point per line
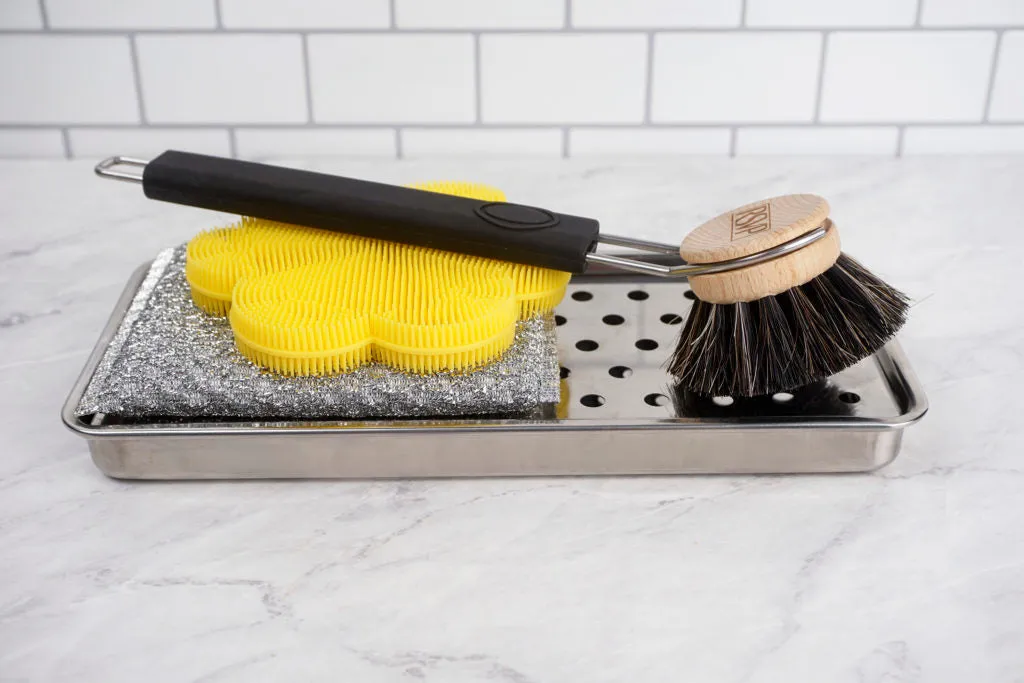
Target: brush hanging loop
693 269
107 169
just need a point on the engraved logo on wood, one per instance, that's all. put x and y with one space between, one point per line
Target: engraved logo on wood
751 221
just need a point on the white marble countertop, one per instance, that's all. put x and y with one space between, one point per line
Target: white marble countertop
913 573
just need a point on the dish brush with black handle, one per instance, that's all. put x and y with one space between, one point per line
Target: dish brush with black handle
778 306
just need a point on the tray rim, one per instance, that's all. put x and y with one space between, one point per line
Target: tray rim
891 360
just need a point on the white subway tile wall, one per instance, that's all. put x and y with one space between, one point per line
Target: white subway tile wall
656 13
217 78
267 143
67 79
31 143
391 78
1008 89
422 142
119 14
593 78
20 15
479 14
749 77
305 14
648 141
811 140
906 76
405 78
959 140
146 143
957 13
831 13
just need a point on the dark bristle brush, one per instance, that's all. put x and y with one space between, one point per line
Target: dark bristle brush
782 324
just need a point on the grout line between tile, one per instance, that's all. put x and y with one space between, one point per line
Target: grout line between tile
385 125
218 17
137 79
568 14
524 31
307 77
565 142
992 77
733 134
43 15
743 13
65 137
232 142
477 79
399 152
918 13
821 75
649 82
900 135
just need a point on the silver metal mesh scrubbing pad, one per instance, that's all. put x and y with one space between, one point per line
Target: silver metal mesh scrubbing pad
169 359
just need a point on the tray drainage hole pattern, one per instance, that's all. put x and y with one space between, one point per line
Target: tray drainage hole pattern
646 344
849 397
690 295
620 371
564 372
671 319
582 295
724 401
638 295
656 400
560 320
613 319
782 397
592 400
586 345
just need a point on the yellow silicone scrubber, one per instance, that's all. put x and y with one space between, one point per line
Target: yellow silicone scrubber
413 309
304 301
217 259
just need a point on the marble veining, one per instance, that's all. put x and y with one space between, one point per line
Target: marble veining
913 573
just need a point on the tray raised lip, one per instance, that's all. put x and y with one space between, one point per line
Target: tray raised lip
891 361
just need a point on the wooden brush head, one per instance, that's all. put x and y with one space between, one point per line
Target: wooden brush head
753 228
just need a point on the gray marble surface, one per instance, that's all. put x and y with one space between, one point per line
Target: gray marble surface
913 573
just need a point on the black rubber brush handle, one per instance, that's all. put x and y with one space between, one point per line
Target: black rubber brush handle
497 230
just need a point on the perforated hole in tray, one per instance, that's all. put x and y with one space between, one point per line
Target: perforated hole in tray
620 371
615 336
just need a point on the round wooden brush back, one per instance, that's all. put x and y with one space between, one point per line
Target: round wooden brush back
753 228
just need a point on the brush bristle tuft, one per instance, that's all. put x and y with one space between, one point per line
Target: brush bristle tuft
789 340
